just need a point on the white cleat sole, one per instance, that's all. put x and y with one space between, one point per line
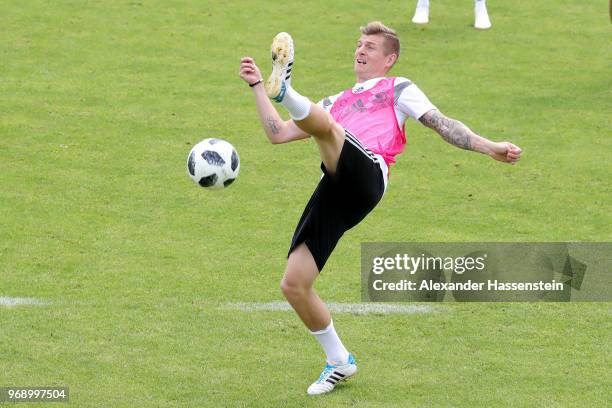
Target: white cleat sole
282 60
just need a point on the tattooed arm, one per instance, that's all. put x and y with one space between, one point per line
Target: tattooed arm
457 134
277 130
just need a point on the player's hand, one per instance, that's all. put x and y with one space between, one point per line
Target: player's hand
249 72
505 152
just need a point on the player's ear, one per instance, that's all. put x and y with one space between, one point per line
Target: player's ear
391 59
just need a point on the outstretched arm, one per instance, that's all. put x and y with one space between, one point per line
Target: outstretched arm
277 130
456 133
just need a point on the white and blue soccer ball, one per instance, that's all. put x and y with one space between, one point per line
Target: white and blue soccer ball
213 163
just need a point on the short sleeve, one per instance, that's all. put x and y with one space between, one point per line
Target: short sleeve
328 102
410 100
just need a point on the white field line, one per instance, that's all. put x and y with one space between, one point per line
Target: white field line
355 308
18 301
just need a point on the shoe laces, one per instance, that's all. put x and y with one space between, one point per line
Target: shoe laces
328 368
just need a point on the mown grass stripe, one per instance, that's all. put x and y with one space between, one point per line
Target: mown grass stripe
356 308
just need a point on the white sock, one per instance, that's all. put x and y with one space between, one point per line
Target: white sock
423 4
297 105
334 349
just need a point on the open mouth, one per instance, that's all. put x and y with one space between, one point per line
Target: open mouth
361 61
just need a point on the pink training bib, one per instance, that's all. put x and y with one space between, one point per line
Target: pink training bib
370 116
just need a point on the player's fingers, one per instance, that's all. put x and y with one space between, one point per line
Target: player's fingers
253 67
244 74
509 146
250 62
247 69
247 65
514 148
246 59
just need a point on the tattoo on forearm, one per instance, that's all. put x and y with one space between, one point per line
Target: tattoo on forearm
451 130
272 125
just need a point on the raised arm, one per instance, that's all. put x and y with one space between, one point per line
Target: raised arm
457 134
277 130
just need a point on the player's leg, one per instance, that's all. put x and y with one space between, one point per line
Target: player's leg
309 117
328 134
338 204
481 16
421 13
297 286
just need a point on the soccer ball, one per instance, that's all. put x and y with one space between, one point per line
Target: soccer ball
213 163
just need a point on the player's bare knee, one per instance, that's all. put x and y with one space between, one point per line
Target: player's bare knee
291 288
288 290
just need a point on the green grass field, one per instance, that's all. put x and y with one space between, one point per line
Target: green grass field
136 266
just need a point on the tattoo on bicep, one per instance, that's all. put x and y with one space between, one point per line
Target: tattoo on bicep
451 130
271 122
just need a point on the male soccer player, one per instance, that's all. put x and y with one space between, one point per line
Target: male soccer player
481 16
358 132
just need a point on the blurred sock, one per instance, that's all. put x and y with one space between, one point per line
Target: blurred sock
481 19
423 4
297 105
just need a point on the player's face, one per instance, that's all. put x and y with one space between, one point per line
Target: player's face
370 58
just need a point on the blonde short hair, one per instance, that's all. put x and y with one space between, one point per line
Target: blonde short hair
392 42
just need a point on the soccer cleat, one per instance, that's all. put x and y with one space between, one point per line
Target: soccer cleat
332 375
282 61
481 19
421 15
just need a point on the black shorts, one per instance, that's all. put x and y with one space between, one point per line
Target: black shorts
340 201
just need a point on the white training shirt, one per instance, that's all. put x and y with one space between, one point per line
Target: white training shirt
408 101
